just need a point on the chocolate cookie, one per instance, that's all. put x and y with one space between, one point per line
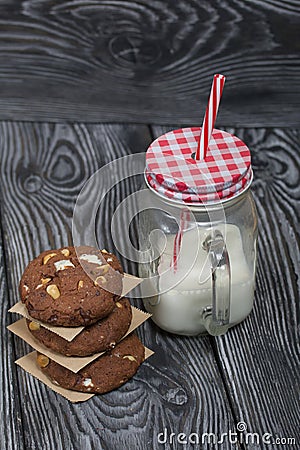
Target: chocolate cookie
71 287
108 372
95 338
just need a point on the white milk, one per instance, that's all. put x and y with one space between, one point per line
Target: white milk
179 309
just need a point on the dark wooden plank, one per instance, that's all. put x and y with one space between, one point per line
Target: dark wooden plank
43 168
11 422
110 61
260 357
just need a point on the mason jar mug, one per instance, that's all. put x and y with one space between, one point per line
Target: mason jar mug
198 234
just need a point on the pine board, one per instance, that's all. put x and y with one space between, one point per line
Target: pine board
118 61
259 358
43 168
11 422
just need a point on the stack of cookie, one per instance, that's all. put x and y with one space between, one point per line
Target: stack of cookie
82 287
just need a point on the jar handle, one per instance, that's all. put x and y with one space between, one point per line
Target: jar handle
216 316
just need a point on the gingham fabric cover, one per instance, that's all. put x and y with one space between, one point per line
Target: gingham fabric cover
172 172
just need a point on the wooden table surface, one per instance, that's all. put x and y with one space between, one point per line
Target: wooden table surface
83 83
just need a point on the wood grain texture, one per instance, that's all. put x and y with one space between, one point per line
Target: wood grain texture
11 423
260 357
266 381
43 168
142 62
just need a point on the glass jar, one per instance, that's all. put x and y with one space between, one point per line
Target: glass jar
198 233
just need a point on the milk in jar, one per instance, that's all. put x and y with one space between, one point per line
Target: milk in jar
179 309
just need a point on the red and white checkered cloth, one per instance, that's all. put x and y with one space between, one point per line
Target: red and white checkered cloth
172 172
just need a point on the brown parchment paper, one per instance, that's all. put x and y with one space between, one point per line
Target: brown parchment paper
74 363
28 363
129 283
69 333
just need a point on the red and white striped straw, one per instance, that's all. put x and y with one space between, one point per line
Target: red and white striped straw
184 219
210 115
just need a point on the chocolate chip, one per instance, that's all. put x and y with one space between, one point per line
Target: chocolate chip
78 380
86 315
53 318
